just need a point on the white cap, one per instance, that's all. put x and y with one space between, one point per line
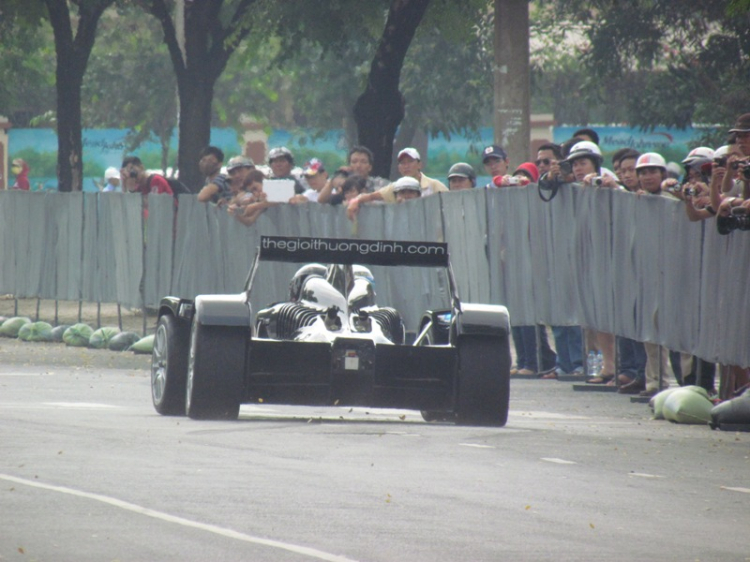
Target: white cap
651 160
702 152
111 173
407 182
411 152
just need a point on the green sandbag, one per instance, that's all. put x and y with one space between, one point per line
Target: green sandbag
78 335
143 345
123 341
35 331
11 326
689 404
657 402
58 331
100 338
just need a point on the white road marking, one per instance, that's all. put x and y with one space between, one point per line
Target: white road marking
80 405
643 475
229 533
403 434
557 461
26 374
546 415
476 446
743 490
255 408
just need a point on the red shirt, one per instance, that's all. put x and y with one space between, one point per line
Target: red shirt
157 184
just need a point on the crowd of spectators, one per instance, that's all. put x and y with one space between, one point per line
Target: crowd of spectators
713 184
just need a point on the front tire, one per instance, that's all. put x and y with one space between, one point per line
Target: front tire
169 360
215 371
483 380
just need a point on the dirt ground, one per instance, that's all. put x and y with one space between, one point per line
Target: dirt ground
17 352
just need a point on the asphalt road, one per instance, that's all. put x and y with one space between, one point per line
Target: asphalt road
89 471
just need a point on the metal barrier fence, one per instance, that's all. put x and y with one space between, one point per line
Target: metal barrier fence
629 265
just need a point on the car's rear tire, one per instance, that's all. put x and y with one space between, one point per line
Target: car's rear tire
169 360
433 415
215 372
483 380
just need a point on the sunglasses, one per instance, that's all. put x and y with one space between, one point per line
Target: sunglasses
545 161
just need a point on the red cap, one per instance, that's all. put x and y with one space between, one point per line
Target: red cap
530 169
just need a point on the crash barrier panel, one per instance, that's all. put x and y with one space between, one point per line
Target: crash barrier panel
603 259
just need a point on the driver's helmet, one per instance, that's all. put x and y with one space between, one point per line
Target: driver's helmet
299 278
362 271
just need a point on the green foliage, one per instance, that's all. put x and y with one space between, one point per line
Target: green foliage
130 82
679 62
312 71
27 63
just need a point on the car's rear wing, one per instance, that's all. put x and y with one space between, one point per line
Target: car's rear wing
348 251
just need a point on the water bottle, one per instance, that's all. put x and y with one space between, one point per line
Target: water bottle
591 364
599 364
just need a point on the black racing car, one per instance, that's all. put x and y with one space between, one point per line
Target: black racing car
331 344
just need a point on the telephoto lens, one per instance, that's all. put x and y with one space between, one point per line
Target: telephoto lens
725 225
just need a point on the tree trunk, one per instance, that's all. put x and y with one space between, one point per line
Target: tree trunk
380 109
72 58
194 129
207 48
69 131
512 97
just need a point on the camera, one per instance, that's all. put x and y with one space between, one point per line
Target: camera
725 225
133 174
513 180
690 192
721 162
598 181
566 168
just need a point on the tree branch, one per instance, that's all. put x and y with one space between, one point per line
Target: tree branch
159 10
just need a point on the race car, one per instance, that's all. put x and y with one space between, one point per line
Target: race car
331 344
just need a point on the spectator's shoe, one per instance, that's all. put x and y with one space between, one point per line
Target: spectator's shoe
601 379
514 371
525 373
550 374
649 392
633 387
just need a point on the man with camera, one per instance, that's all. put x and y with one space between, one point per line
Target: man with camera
694 189
735 184
136 180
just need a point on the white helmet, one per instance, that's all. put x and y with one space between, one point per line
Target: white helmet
406 183
585 149
721 152
700 153
651 160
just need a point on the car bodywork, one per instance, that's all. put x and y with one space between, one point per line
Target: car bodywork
331 344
